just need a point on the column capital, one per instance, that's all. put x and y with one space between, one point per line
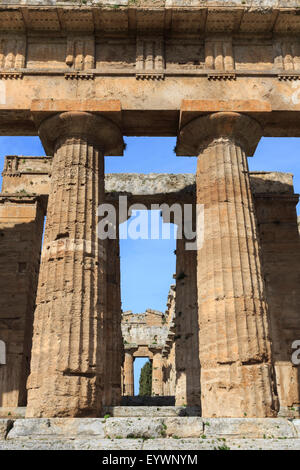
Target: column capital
202 131
95 129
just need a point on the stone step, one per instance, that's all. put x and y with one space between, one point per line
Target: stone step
11 412
151 411
148 401
190 444
146 428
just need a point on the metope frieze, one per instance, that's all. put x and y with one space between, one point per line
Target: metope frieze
150 60
80 54
12 55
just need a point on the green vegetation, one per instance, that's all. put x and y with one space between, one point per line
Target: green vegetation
146 380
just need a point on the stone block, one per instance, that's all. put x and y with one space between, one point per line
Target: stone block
134 427
152 411
72 444
65 427
179 444
12 412
249 427
184 426
296 423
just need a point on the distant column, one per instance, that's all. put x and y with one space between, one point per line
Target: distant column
21 229
128 381
114 339
157 374
187 390
277 218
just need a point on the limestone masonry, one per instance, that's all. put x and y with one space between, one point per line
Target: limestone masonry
217 75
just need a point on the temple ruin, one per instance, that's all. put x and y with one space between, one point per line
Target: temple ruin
217 75
170 340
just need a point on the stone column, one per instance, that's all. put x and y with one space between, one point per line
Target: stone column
237 376
187 391
157 374
114 339
21 229
128 376
277 219
68 341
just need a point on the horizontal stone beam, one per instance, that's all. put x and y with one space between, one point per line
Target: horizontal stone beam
24 175
241 55
147 330
17 199
149 111
137 185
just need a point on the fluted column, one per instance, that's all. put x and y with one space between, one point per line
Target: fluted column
186 327
277 220
68 342
236 369
128 376
21 228
114 339
157 374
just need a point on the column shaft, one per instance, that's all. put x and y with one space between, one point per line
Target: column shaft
128 381
114 338
236 371
68 353
277 219
186 327
65 377
157 374
21 229
237 376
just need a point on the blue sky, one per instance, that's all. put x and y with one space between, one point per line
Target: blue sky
147 266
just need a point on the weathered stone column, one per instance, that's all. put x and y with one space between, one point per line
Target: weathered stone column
187 391
128 375
277 219
114 339
68 342
157 374
21 229
236 370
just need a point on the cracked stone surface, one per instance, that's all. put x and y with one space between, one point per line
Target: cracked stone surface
167 433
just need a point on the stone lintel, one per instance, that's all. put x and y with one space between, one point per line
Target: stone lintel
43 108
13 200
190 109
26 175
143 351
130 346
145 188
144 333
19 198
29 176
